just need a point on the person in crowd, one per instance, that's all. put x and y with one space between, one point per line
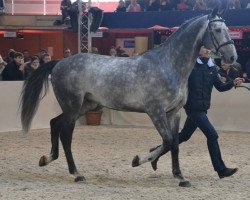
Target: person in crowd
238 67
13 71
154 5
2 66
166 5
247 69
67 53
73 12
65 6
94 50
26 55
200 84
113 52
45 58
134 6
228 72
200 5
182 5
10 56
234 4
41 53
31 66
211 4
121 7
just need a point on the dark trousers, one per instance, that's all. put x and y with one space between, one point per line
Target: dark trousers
199 119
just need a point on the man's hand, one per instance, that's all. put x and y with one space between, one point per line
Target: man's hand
238 81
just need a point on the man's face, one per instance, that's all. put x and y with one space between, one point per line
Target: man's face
46 59
225 66
67 53
204 52
18 60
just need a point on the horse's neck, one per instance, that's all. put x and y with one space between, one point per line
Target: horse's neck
183 48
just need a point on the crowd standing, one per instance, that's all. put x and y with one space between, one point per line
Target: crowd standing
181 5
17 66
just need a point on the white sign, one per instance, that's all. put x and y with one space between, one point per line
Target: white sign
9 34
236 34
98 34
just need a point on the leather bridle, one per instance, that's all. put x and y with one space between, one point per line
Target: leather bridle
216 43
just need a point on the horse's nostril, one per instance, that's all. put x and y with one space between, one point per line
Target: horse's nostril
232 58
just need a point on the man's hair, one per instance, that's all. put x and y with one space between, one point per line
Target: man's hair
18 54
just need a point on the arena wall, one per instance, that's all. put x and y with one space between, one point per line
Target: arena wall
229 112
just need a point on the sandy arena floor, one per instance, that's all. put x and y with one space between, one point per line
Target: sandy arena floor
103 155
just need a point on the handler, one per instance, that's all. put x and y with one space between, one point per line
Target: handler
200 84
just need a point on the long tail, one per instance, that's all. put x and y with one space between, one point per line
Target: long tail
31 93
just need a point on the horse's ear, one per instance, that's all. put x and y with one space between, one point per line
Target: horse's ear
214 12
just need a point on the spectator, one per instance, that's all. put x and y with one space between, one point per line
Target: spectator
41 53
182 5
200 5
66 53
238 67
73 13
10 56
234 4
65 6
113 52
154 5
227 72
247 67
121 7
134 6
94 50
13 70
166 5
26 55
45 58
2 66
211 4
31 66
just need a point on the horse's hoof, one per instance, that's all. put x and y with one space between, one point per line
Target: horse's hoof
185 184
80 179
43 161
154 164
135 162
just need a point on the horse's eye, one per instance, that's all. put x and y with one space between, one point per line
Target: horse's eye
218 30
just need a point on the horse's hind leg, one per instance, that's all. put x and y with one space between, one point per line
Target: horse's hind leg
68 126
55 127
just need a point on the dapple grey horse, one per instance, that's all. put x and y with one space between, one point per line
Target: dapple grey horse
154 83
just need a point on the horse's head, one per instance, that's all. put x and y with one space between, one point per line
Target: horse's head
217 37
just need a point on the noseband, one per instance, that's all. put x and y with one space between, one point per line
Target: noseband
216 43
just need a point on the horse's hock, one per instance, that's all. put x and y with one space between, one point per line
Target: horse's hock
93 118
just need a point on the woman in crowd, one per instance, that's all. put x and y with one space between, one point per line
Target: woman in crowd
32 66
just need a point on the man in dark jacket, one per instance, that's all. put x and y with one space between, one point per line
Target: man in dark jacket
200 84
13 71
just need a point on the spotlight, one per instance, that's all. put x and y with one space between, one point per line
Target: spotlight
20 35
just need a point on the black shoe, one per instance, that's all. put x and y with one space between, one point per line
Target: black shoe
227 172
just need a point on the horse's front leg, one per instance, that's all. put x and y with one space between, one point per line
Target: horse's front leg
158 117
55 127
175 152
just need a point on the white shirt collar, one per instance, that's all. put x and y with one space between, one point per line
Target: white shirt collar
210 63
